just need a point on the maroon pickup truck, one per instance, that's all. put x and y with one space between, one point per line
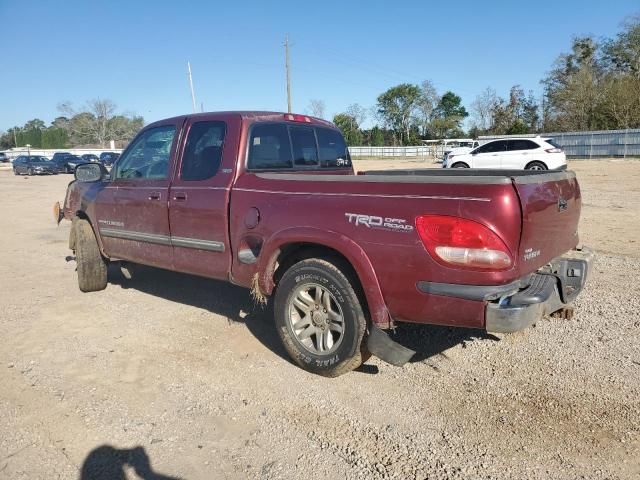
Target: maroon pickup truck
270 201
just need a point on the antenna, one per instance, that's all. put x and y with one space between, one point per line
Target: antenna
286 53
193 95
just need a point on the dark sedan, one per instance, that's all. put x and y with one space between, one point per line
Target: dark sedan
33 165
90 158
67 163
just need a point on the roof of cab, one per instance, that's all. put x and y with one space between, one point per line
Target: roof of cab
253 115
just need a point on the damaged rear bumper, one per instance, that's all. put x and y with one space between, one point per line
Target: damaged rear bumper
550 289
519 304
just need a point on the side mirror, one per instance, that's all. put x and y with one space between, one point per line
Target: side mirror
90 172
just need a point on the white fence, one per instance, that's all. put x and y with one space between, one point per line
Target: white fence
395 152
16 152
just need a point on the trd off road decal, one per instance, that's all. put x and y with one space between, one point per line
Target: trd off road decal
383 223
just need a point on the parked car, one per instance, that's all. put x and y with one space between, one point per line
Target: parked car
464 147
459 145
33 165
513 153
4 158
67 162
270 201
108 158
60 160
90 158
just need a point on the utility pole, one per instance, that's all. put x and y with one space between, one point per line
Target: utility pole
286 53
193 95
15 139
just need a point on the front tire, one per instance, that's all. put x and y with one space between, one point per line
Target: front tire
319 317
91 265
460 165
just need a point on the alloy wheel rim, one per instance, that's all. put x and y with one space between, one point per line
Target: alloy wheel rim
316 319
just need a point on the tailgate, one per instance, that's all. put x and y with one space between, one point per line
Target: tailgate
550 205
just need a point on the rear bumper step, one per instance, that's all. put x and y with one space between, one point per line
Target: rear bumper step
553 288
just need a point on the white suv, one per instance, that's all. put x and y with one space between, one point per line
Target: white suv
512 153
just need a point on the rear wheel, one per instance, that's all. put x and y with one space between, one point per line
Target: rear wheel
91 265
460 165
319 317
536 166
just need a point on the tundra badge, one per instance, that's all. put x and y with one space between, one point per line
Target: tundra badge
562 204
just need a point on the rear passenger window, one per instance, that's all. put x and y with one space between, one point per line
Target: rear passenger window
269 147
305 153
522 145
203 151
333 151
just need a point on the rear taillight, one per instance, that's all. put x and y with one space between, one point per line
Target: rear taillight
457 241
294 117
553 150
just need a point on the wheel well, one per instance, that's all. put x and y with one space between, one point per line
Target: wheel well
295 252
536 161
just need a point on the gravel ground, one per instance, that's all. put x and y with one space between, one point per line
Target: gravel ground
182 377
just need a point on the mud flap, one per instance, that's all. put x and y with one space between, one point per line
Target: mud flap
58 213
380 345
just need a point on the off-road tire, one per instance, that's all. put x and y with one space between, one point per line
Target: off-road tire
335 278
91 265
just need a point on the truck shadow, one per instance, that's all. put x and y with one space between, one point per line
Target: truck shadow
235 303
432 340
216 296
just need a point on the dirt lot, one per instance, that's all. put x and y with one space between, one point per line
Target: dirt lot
177 376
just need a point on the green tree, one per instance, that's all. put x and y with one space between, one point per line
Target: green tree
448 116
622 54
397 107
377 137
450 105
349 127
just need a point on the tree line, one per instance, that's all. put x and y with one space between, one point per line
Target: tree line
596 86
94 125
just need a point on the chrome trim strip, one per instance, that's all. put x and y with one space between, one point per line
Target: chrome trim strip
196 243
326 194
437 176
136 236
210 245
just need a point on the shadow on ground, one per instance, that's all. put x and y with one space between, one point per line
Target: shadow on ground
431 340
219 297
236 304
110 463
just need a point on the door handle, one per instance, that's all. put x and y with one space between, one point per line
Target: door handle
180 196
154 196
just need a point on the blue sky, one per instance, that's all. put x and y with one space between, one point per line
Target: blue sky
135 52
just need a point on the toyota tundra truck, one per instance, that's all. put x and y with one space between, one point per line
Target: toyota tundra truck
270 201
